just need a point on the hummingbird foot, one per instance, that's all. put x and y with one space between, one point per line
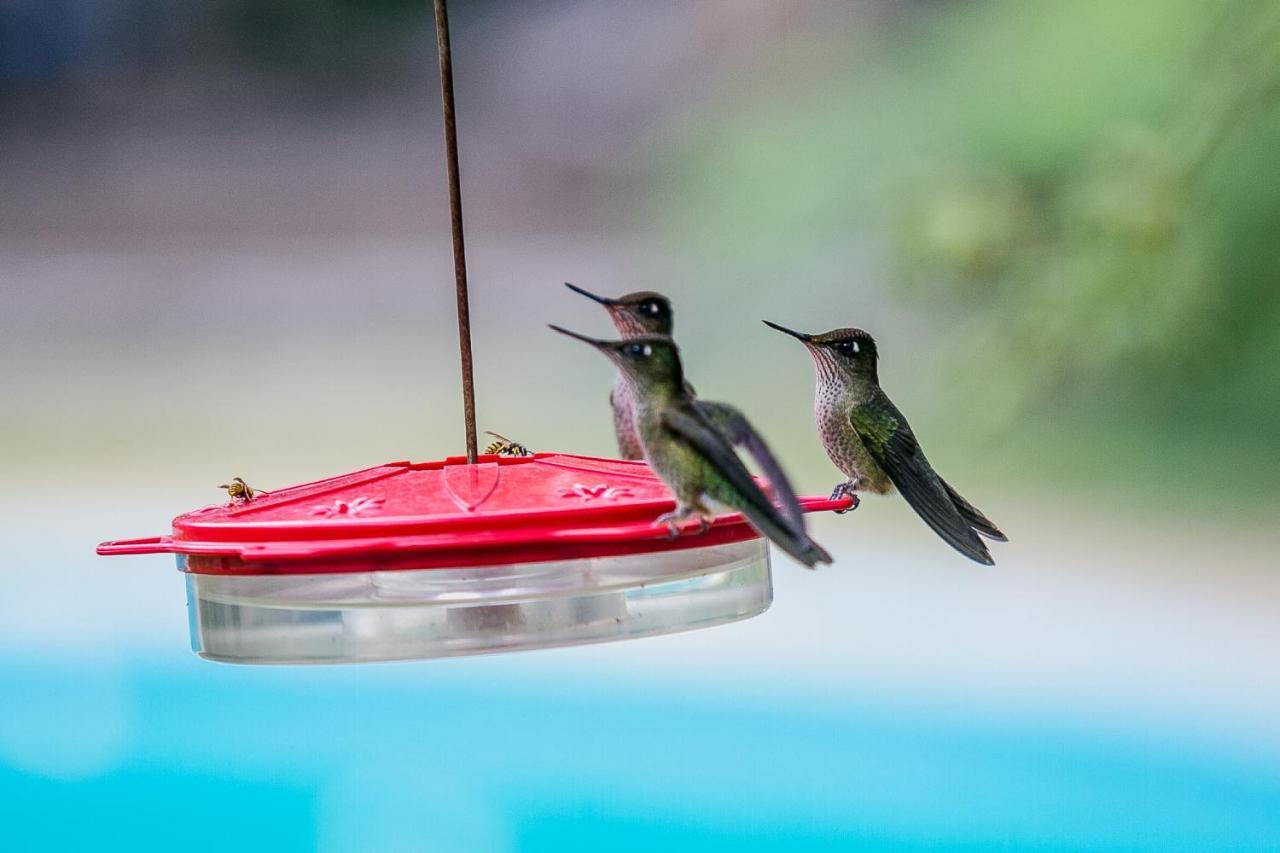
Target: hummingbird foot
681 513
846 490
672 521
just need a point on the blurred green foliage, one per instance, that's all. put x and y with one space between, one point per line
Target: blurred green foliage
1084 194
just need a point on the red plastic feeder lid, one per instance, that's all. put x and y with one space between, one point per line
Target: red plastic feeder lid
415 515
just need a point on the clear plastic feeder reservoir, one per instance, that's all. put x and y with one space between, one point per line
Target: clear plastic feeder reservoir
423 560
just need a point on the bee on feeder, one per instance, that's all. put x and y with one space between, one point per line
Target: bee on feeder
505 447
241 492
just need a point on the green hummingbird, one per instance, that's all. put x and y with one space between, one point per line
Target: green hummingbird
689 443
641 313
870 441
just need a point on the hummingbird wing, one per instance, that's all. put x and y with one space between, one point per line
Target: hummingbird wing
889 440
737 487
738 431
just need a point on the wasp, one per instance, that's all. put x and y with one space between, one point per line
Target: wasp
505 447
240 491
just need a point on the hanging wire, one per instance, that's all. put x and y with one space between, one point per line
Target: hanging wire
455 219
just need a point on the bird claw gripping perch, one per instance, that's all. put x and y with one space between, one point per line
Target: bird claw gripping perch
846 490
672 520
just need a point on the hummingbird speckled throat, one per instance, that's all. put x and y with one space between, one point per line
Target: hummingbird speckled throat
689 444
872 444
634 314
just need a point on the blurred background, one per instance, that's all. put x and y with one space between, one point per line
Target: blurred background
224 251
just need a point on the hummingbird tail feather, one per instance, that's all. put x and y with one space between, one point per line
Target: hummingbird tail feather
894 447
778 531
739 432
731 483
973 516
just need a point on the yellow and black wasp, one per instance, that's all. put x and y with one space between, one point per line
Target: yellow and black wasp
505 447
241 492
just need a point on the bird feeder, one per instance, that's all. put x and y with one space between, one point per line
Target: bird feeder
424 560
471 554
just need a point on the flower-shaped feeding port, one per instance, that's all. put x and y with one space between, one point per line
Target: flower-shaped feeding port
389 563
352 508
591 493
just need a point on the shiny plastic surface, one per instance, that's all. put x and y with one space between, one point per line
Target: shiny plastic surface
442 612
443 514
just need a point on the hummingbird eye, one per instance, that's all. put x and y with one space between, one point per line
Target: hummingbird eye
640 350
846 347
650 308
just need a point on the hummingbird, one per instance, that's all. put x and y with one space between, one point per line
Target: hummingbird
635 314
689 443
872 444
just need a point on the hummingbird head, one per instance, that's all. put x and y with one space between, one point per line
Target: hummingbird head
650 362
840 353
644 312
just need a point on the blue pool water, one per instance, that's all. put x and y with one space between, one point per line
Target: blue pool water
178 754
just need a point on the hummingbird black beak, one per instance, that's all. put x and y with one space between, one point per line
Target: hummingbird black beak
603 300
801 336
595 342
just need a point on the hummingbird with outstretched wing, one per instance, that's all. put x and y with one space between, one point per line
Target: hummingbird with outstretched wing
689 444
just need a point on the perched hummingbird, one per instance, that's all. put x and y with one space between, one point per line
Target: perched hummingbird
689 443
870 441
633 315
